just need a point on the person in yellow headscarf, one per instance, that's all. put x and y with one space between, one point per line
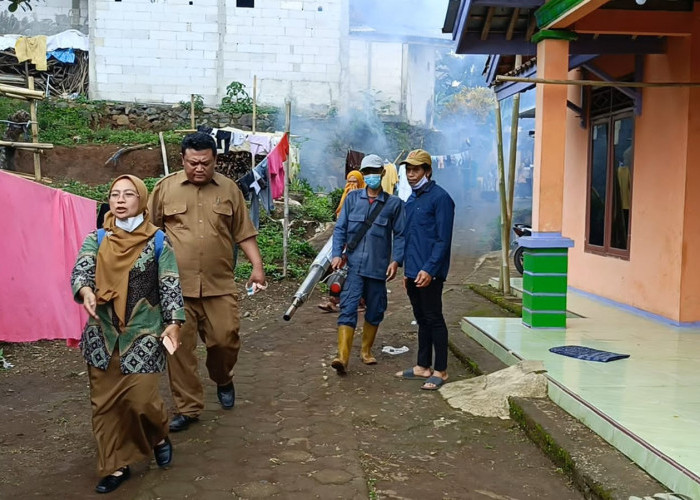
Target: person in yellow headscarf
354 180
127 279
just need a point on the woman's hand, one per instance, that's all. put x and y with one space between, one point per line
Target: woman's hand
89 301
172 331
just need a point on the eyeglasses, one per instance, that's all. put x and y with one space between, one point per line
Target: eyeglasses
128 195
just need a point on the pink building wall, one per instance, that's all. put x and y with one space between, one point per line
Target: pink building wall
661 275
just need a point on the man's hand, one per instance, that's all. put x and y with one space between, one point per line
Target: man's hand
423 279
257 276
89 301
391 270
337 263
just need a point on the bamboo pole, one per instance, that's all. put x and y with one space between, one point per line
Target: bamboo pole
285 233
255 102
29 93
45 180
163 153
14 96
12 79
512 154
35 131
504 274
30 146
255 88
595 83
192 124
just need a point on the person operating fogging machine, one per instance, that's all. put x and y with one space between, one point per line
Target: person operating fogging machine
368 236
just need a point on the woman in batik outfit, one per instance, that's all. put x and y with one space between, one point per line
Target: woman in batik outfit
128 282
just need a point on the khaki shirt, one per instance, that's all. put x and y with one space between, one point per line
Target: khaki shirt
203 223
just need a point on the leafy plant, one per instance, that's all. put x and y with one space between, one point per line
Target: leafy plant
237 100
318 208
198 103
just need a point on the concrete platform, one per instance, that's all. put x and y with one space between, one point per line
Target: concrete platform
647 406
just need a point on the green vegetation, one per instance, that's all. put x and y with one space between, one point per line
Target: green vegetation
497 298
315 207
237 100
299 252
64 125
198 103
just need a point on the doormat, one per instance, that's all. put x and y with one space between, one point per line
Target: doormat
587 353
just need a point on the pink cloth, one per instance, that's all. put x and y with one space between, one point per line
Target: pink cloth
275 164
42 230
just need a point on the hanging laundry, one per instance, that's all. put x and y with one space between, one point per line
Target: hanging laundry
32 49
404 189
238 138
265 194
390 178
259 144
41 260
276 160
352 161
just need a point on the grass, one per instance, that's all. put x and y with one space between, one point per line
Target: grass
62 125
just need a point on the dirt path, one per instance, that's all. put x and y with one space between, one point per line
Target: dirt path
297 431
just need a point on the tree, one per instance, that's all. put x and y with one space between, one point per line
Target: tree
15 4
477 102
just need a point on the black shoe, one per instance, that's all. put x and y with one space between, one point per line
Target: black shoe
227 395
181 422
163 453
111 483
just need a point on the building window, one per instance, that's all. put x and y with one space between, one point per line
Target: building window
610 173
245 3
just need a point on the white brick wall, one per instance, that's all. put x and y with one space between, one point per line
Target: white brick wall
162 52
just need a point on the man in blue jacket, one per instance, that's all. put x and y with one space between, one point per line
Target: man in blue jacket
369 237
428 237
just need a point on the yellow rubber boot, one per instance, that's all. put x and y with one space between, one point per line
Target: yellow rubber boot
345 334
369 333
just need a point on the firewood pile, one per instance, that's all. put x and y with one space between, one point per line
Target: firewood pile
63 79
235 164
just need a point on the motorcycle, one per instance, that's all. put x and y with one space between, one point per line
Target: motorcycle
520 230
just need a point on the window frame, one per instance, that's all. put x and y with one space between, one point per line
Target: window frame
606 250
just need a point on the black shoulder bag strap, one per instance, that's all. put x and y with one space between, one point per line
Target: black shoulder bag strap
352 244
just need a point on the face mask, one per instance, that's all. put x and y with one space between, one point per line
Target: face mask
420 183
373 181
129 224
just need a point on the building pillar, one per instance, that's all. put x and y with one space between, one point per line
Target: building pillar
545 259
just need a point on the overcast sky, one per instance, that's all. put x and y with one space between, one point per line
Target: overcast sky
400 17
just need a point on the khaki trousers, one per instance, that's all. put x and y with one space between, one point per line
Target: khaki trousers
217 321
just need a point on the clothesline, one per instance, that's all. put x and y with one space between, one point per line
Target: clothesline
235 139
457 159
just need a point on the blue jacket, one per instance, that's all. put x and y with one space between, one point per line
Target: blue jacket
381 244
430 214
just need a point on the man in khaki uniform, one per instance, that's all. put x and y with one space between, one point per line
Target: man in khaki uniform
204 215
